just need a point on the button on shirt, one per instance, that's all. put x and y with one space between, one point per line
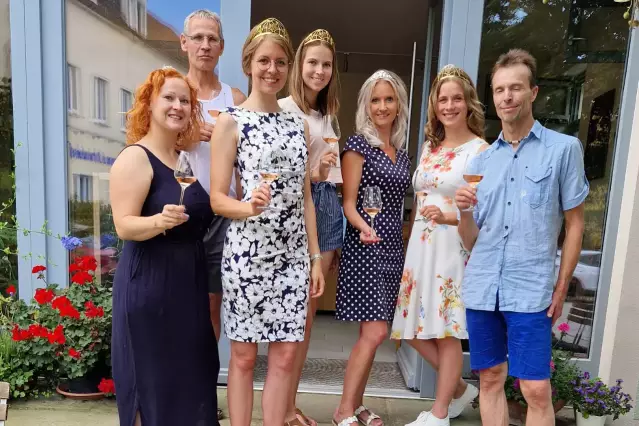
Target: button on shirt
519 212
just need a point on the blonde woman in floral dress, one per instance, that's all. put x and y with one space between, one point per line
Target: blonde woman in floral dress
429 314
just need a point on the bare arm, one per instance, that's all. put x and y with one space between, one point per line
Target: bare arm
129 183
574 222
352 166
222 161
309 207
238 96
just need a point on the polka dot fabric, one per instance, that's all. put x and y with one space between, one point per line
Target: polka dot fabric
369 275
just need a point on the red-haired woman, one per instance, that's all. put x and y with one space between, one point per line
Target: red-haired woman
165 360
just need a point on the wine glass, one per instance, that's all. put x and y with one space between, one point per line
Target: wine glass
183 173
332 135
372 203
471 176
421 199
269 167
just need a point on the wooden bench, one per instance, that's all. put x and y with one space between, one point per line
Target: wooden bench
4 396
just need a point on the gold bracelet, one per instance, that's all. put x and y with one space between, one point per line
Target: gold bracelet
316 257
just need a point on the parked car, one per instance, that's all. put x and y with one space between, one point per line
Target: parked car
586 276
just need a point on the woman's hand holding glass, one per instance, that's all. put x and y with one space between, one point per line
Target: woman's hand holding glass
260 198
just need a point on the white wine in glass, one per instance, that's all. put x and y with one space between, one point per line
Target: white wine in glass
471 177
269 167
333 134
421 199
372 203
183 173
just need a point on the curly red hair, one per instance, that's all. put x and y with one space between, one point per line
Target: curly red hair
139 116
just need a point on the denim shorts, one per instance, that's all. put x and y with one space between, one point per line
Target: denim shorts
328 212
522 339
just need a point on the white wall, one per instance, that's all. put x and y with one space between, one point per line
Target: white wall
620 349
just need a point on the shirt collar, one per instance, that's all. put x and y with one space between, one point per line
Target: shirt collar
536 130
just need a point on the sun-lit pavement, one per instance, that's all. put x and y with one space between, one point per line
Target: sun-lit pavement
63 412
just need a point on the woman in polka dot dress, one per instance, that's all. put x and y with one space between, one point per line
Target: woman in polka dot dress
372 260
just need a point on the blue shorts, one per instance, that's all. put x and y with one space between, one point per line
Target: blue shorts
522 339
330 220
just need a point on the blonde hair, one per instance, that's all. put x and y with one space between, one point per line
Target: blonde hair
435 132
256 37
363 123
327 99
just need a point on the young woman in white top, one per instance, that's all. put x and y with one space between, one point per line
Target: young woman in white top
313 95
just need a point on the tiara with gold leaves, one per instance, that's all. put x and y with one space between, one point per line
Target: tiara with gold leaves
452 71
271 26
319 35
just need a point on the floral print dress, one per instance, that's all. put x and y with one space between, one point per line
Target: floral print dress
429 303
265 267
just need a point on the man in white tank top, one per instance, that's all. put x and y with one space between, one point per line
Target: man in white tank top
203 41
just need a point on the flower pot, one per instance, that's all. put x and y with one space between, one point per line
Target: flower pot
64 390
590 421
83 388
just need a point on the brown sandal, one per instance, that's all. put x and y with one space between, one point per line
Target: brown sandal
294 422
307 420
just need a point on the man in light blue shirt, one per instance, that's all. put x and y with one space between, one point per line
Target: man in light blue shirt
533 180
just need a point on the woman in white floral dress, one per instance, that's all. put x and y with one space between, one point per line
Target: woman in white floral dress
271 254
429 313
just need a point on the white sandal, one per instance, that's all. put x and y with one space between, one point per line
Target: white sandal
347 421
371 416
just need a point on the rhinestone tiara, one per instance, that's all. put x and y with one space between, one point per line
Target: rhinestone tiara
451 70
271 26
381 75
319 35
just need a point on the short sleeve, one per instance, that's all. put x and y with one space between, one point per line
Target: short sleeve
573 184
358 144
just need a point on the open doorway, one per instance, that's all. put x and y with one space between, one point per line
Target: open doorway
402 37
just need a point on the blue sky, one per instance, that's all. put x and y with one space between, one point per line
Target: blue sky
173 12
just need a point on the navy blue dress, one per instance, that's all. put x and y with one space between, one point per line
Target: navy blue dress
164 352
369 275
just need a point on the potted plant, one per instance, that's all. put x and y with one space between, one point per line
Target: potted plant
63 336
594 400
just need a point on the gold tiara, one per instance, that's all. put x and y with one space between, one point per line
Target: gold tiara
452 71
319 35
271 26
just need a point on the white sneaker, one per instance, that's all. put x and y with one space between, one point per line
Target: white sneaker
457 405
426 418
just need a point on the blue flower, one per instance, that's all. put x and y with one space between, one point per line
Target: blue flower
586 375
71 243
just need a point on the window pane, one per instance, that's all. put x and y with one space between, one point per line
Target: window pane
580 63
8 264
112 46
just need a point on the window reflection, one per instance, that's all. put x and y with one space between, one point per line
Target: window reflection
8 264
580 58
111 47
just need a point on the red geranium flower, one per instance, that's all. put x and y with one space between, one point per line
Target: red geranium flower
64 306
38 268
11 290
107 386
91 311
81 278
44 296
18 335
37 330
57 336
60 302
74 354
84 263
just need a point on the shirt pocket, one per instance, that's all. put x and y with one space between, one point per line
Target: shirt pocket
537 187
